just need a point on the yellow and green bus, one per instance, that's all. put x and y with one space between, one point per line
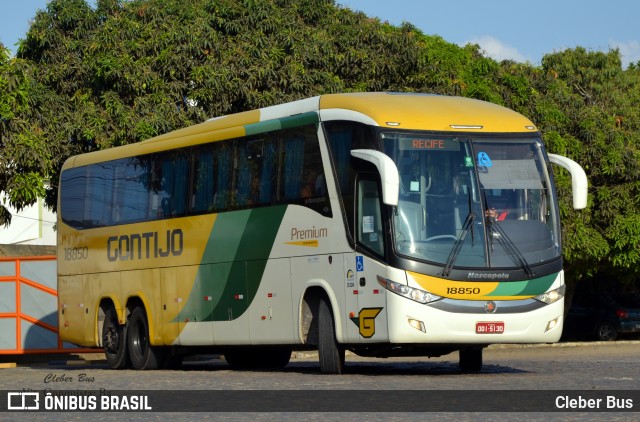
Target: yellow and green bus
386 224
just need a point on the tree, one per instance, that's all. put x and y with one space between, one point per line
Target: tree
125 71
588 110
24 155
128 71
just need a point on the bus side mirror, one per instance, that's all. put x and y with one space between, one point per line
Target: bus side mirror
388 173
579 183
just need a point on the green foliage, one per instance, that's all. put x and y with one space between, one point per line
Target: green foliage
591 104
23 153
13 96
88 79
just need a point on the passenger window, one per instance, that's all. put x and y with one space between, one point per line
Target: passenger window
302 172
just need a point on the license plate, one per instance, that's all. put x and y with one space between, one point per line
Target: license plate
496 327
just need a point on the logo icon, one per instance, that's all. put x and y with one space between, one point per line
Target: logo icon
366 321
359 263
26 400
490 307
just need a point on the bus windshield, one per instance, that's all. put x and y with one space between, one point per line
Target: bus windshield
468 202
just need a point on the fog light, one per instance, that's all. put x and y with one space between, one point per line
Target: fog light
551 324
418 325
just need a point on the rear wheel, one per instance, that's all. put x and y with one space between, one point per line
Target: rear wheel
331 354
141 353
275 357
114 340
470 359
238 358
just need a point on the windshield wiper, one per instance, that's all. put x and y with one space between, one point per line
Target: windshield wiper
507 244
457 246
510 248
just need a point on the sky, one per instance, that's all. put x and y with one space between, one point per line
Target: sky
518 30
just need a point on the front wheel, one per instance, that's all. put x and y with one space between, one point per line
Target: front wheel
141 353
114 340
331 354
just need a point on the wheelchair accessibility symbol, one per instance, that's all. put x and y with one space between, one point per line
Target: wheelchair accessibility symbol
484 160
359 263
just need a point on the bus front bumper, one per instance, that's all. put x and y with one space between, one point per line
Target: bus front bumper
413 322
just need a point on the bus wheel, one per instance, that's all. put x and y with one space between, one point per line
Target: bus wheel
331 354
238 358
114 340
470 359
275 357
141 353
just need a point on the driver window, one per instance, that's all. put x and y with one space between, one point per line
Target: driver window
369 216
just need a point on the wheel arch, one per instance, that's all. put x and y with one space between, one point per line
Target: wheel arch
138 300
105 303
308 311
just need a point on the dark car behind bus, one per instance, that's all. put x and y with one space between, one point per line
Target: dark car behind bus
602 316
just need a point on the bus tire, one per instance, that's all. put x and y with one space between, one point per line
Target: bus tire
238 358
330 353
114 340
275 357
470 359
142 354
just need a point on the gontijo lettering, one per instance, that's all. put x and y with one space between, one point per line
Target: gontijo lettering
145 245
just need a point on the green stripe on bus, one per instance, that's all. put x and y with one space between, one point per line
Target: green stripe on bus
233 264
283 123
524 288
250 261
225 239
539 285
509 288
303 119
262 127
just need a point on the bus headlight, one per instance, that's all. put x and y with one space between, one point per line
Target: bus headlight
552 296
418 295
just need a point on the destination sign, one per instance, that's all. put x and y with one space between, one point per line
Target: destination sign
431 144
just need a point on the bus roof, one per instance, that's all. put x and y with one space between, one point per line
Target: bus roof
430 112
390 110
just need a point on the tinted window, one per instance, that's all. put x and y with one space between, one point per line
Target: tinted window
72 197
273 168
344 137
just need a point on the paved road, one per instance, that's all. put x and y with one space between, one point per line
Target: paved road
596 367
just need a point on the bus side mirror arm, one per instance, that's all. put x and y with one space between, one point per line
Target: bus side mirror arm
388 173
579 183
